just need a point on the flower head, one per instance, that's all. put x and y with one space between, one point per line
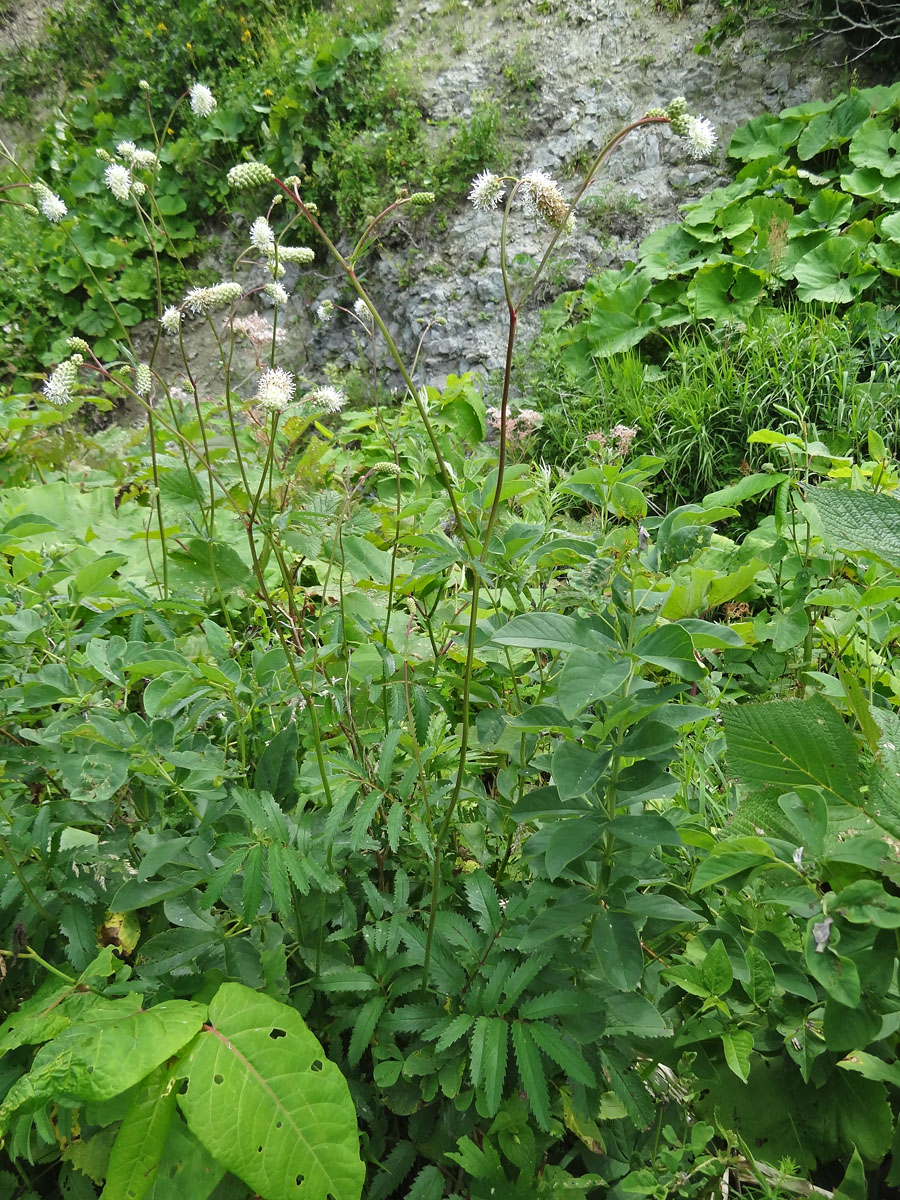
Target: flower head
171 319
126 150
325 311
78 345
362 314
275 390
118 180
249 174
302 255
144 160
257 330
326 399
542 198
262 237
276 293
59 387
143 379
700 136
203 102
487 191
49 203
203 299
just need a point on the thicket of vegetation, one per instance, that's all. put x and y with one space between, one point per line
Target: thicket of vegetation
392 810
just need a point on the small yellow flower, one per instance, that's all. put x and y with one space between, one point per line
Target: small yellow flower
188 46
163 28
246 35
268 92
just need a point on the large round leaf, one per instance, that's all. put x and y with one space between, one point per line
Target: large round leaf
265 1101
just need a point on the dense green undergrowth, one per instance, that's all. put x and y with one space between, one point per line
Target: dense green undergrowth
384 816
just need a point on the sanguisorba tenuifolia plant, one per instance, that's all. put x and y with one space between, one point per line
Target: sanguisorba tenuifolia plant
469 985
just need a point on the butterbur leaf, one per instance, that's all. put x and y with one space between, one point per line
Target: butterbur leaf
265 1101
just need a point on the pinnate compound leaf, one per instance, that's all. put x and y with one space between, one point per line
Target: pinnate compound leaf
104 1052
483 900
786 744
563 1053
531 1073
137 1150
265 1101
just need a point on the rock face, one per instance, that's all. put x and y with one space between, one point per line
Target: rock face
588 68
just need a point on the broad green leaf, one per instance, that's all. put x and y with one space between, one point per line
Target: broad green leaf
877 146
550 631
186 1168
104 1052
865 902
265 1101
853 1186
670 647
872 1067
730 864
586 678
837 975
717 970
862 522
786 744
760 983
832 272
575 768
738 1046
138 1148
807 811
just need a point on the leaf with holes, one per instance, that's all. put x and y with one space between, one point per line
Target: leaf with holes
265 1101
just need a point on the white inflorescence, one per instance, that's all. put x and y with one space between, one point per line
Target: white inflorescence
261 235
171 319
118 180
542 198
276 293
60 386
275 390
487 191
49 203
700 136
203 102
143 379
302 255
325 311
362 314
249 174
326 398
203 299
